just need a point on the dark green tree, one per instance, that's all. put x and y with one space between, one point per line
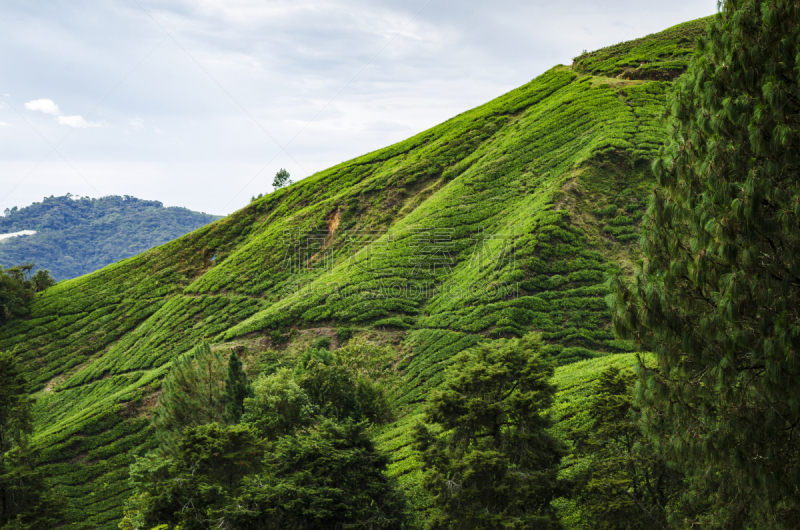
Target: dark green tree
193 394
278 406
495 464
24 499
237 388
329 477
191 488
281 179
717 295
626 485
17 290
340 392
41 280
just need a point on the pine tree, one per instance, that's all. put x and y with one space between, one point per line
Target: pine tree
192 395
495 466
717 295
627 485
237 388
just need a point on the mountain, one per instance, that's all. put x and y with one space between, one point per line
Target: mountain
500 221
78 235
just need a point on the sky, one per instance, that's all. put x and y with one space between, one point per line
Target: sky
199 103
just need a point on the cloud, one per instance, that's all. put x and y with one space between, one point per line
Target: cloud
76 121
3 124
45 105
48 106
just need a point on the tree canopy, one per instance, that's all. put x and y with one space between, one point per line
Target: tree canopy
495 464
281 179
18 285
717 295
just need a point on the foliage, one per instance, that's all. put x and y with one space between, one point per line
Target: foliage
187 490
18 287
340 393
281 179
24 500
317 474
78 235
717 297
15 405
192 395
627 484
237 389
495 465
330 477
279 406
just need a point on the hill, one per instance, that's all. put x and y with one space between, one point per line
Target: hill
500 221
78 235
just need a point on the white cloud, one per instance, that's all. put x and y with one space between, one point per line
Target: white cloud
76 121
3 124
48 106
45 105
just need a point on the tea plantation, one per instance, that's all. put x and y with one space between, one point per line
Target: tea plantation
500 221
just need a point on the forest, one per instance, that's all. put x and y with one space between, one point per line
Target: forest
574 307
78 235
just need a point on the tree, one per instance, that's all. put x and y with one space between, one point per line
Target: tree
15 425
340 392
41 280
190 489
17 290
24 499
717 295
16 422
494 465
329 477
192 395
627 485
281 179
237 388
278 406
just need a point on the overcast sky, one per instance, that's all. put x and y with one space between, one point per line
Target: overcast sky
198 103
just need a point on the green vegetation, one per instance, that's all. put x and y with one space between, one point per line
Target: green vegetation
717 298
237 388
663 56
626 482
18 287
281 179
345 298
495 465
24 499
295 461
480 228
191 395
78 235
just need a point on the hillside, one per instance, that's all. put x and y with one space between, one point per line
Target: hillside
499 221
78 235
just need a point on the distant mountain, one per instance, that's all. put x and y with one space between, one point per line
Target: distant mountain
77 235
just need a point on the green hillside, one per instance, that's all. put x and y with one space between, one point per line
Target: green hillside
78 235
500 221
